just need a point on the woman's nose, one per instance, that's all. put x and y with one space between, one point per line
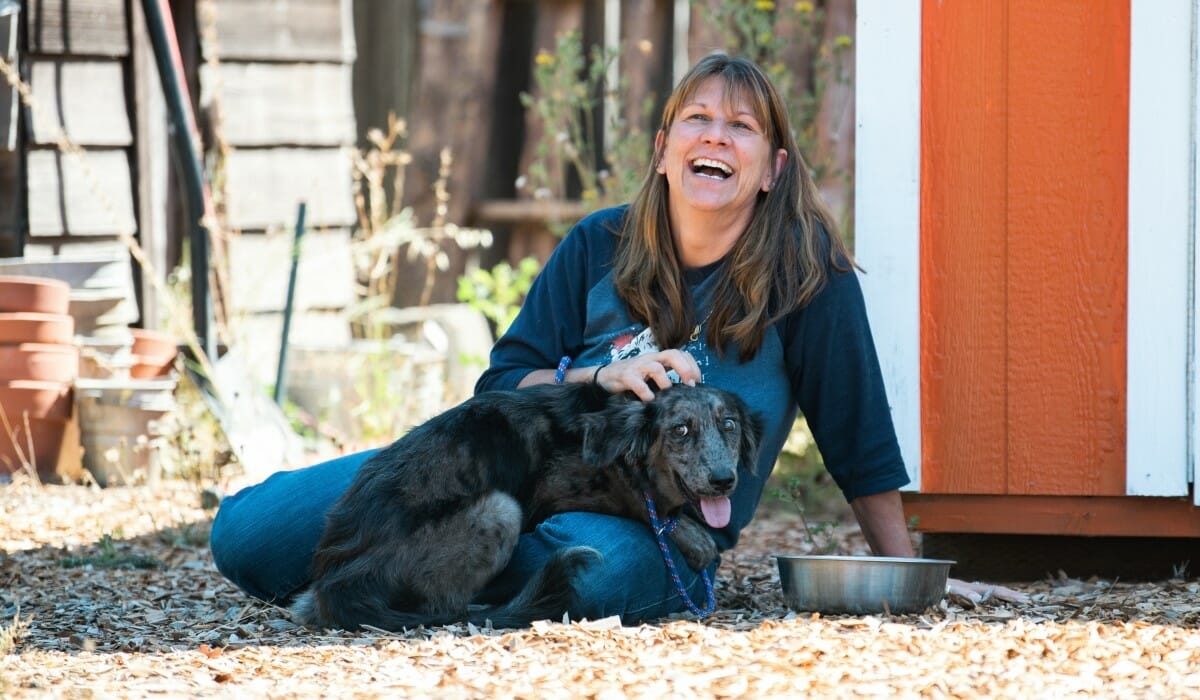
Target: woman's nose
716 132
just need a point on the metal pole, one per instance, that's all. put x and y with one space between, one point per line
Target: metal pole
170 72
281 370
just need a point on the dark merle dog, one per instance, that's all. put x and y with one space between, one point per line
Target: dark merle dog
429 520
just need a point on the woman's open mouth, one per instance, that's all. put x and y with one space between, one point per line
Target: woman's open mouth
710 168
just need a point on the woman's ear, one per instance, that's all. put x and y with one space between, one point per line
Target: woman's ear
660 142
780 161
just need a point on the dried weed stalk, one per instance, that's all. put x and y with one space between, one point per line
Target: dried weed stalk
386 227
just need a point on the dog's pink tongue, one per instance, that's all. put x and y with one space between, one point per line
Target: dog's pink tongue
715 510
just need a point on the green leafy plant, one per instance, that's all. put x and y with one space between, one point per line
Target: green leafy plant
820 533
109 556
498 293
572 91
386 228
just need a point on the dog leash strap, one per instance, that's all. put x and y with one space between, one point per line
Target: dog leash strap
659 530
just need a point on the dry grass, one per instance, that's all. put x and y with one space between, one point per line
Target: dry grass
143 613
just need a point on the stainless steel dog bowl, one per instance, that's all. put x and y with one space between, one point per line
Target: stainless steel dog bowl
861 585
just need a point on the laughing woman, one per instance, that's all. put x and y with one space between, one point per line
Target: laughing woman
725 269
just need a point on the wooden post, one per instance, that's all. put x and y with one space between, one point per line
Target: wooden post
454 93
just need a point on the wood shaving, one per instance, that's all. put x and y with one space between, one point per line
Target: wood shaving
178 629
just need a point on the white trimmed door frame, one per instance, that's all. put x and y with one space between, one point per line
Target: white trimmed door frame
1159 357
887 203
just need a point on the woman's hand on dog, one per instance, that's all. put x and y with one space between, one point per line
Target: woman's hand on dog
644 374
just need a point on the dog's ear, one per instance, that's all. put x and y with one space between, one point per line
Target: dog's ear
622 429
752 430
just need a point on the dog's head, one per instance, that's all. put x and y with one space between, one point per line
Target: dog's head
686 446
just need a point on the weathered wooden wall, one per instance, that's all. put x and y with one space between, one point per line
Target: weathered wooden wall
276 99
78 61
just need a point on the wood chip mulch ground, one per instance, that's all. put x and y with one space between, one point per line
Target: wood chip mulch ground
112 593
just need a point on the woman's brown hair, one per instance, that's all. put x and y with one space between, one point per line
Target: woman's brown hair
778 264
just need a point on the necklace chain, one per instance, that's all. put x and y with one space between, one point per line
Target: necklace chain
696 331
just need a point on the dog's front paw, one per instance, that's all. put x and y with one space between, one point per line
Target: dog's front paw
694 542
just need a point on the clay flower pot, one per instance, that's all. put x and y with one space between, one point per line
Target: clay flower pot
153 353
118 427
40 362
34 429
36 294
154 345
37 443
24 327
38 399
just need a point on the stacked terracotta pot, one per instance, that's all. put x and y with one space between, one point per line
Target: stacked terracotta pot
38 366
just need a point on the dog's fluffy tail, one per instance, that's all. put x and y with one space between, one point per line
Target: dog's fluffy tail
547 595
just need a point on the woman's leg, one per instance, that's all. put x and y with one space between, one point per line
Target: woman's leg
264 536
632 580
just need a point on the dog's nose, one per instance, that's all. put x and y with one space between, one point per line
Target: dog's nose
721 483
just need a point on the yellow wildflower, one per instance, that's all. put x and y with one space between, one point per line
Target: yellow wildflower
803 8
842 41
764 5
544 58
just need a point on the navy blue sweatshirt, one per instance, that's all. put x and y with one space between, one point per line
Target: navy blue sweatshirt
819 359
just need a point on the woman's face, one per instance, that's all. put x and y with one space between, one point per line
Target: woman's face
716 154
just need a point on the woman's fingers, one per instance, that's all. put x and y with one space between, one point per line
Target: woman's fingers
684 365
645 374
977 592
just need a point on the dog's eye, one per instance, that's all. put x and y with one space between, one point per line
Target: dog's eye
680 430
728 424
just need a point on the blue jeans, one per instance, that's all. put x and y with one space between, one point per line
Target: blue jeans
264 537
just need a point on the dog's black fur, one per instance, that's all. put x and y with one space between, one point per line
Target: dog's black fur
432 518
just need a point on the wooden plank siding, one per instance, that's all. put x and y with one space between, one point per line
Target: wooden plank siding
78 27
265 185
276 84
287 30
261 265
76 97
271 104
1023 262
87 196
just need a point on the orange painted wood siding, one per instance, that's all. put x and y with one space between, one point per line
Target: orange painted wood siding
1024 152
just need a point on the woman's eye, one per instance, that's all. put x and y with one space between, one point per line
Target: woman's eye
729 424
680 431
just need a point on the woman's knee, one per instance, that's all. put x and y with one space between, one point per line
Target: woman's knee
632 579
263 537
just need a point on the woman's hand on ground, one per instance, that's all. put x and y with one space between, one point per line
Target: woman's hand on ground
977 592
636 373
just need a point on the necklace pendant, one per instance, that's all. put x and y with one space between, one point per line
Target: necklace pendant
695 334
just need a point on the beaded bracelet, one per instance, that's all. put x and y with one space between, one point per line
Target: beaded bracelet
561 373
